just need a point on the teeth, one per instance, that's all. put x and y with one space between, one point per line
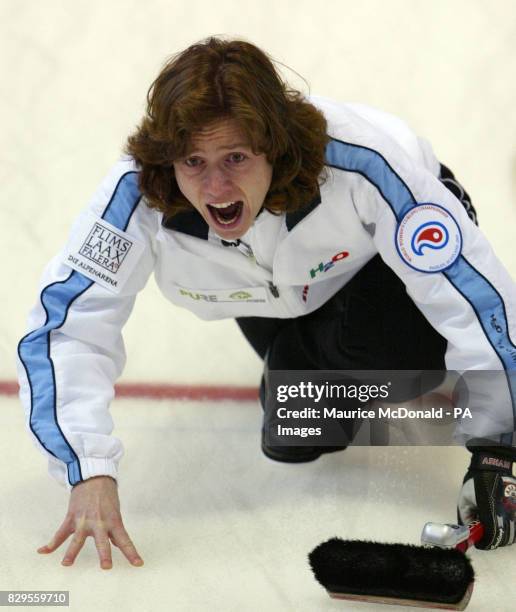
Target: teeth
222 205
222 222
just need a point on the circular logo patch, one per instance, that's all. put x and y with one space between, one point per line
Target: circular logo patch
428 238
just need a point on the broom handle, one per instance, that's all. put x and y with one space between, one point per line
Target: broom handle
460 537
476 532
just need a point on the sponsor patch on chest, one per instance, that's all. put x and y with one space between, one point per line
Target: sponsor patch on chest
103 253
324 267
250 295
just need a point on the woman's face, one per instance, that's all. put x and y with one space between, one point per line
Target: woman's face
223 179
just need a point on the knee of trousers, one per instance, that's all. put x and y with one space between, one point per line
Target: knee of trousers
274 449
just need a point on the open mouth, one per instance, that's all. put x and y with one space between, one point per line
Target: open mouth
226 214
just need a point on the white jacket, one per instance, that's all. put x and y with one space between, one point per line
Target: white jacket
382 196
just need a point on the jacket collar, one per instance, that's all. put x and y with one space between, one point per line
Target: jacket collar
189 222
192 223
294 217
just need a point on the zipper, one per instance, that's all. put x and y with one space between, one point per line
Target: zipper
246 250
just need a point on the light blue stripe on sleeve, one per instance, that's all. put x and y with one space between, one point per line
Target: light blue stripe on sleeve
477 290
34 348
34 351
375 169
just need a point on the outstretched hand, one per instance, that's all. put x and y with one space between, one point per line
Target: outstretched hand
94 510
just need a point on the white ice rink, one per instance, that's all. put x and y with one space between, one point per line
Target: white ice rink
220 527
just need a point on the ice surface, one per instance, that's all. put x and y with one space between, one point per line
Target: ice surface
221 527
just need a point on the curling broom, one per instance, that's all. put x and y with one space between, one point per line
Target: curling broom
435 575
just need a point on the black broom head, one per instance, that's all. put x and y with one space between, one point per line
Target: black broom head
393 573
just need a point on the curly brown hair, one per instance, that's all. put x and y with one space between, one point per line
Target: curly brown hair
216 79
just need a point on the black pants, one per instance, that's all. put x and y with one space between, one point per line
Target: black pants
370 324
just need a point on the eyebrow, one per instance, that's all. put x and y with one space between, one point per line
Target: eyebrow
236 145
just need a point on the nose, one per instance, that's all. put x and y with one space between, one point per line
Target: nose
216 183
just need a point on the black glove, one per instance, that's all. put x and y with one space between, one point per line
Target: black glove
488 494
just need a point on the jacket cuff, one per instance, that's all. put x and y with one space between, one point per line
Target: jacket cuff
494 457
96 466
480 445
